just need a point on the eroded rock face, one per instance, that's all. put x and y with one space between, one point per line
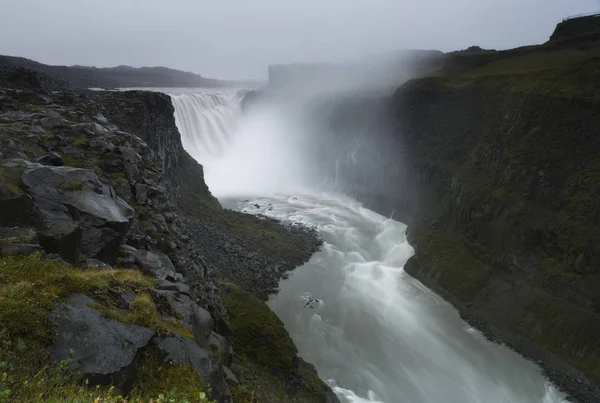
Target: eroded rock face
73 200
104 350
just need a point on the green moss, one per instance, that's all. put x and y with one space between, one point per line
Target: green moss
144 312
266 351
11 179
257 331
155 376
30 287
72 186
569 332
459 271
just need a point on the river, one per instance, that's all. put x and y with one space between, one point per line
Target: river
374 333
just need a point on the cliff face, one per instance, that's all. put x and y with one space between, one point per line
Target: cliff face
507 224
113 255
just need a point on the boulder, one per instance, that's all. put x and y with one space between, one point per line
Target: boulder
180 349
155 264
74 197
52 120
105 350
62 237
18 210
198 319
202 324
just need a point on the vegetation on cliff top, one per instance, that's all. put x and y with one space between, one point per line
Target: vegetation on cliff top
30 288
546 69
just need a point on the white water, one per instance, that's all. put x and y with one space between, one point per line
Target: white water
373 332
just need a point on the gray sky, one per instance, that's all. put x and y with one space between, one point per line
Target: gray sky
239 38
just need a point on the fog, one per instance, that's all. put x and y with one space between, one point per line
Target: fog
236 39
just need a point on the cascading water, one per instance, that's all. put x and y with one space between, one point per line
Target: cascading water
214 114
373 332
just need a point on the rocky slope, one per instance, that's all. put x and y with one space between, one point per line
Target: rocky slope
115 260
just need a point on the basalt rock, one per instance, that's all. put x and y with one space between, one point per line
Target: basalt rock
104 350
73 200
180 349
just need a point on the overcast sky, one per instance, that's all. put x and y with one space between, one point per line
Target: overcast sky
239 38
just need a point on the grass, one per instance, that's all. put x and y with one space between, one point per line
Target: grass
144 312
72 186
155 376
257 331
562 72
30 288
266 350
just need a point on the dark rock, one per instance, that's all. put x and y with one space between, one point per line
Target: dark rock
18 210
202 324
222 346
19 248
155 264
62 237
105 350
52 158
53 120
180 349
230 376
105 146
70 197
141 193
194 317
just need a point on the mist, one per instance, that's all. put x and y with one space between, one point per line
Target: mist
239 39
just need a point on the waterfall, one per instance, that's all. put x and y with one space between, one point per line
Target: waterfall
207 120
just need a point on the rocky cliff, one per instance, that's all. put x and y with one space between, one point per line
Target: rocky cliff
118 267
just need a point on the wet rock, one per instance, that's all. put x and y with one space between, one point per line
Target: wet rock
70 197
198 319
62 237
18 210
221 345
105 146
155 264
180 349
53 120
141 193
202 324
105 350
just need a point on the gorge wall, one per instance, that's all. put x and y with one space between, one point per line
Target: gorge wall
492 161
506 225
